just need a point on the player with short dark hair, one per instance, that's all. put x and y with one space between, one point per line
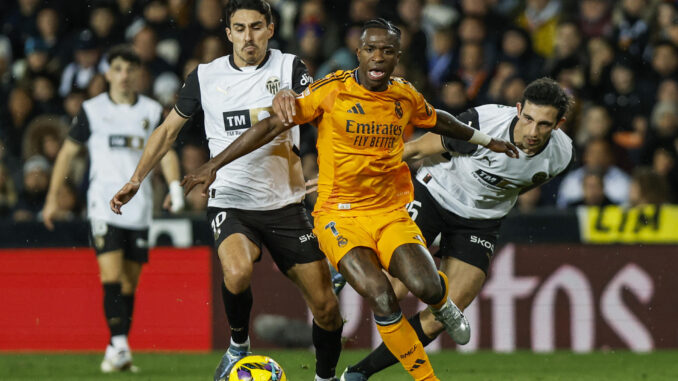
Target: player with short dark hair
258 200
463 191
114 126
360 217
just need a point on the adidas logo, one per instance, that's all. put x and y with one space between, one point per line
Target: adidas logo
417 363
357 109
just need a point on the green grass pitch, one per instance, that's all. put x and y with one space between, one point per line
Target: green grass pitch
299 366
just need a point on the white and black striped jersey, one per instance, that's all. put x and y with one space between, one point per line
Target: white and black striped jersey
476 183
234 99
115 135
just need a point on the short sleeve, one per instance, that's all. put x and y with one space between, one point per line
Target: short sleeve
80 131
301 78
188 101
423 115
469 118
309 102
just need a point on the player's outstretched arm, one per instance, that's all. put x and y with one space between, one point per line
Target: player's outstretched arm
261 133
448 125
159 143
68 150
426 145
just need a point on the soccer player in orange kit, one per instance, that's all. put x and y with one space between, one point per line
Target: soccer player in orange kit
363 185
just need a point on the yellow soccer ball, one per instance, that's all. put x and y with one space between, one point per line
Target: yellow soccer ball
257 368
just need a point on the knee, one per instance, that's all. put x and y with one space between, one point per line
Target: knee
429 291
384 301
110 276
326 313
237 278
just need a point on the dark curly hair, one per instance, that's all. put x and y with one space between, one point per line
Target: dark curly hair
260 6
547 92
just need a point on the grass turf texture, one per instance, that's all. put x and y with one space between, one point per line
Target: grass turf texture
299 366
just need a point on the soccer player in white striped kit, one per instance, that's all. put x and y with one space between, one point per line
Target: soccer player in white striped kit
114 126
257 200
463 191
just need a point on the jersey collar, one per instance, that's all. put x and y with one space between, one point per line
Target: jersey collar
513 127
136 99
263 62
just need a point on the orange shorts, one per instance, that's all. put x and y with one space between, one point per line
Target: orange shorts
382 233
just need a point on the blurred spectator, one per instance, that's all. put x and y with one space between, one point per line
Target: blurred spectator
72 103
441 59
210 48
668 91
596 123
43 137
647 188
663 130
664 164
595 18
145 44
512 90
309 39
36 173
453 97
50 33
102 22
20 112
631 31
20 24
410 14
593 191
503 71
80 72
208 21
566 49
44 92
664 65
624 100
601 58
473 30
312 13
472 71
516 48
165 89
540 18
343 58
8 194
598 156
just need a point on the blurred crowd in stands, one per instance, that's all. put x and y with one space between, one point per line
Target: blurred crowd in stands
618 59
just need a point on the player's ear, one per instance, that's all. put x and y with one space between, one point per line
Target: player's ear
560 123
228 34
519 106
271 30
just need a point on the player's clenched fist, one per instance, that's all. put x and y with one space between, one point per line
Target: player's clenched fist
284 107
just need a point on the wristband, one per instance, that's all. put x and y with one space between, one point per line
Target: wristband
480 138
176 196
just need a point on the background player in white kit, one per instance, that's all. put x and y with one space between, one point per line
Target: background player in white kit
463 192
257 199
114 127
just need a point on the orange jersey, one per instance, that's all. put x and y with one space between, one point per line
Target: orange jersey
360 142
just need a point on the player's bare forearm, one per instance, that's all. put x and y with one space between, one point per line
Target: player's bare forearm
158 145
448 125
61 166
256 136
170 166
426 145
261 133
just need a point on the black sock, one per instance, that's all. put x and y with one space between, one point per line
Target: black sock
327 349
129 303
381 358
114 309
238 308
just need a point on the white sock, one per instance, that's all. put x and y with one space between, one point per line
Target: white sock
245 345
120 342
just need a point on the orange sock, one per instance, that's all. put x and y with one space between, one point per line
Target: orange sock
443 279
402 341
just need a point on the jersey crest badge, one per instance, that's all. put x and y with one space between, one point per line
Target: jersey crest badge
539 178
273 85
145 124
398 109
